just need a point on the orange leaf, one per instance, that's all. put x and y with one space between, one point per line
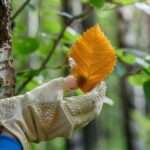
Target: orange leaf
94 58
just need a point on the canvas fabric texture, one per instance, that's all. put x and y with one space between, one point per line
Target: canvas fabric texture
44 113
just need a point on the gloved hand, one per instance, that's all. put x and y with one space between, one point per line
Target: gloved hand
44 113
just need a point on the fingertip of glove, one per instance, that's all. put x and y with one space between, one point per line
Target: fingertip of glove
71 82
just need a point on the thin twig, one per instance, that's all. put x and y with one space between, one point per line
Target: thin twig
60 36
20 9
63 65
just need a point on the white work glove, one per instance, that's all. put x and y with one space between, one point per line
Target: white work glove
44 113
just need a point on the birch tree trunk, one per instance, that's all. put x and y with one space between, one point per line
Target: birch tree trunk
7 80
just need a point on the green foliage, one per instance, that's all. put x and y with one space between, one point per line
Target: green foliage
97 3
146 87
53 26
58 144
139 79
70 36
126 2
26 45
108 4
129 59
29 73
143 124
147 70
45 46
135 58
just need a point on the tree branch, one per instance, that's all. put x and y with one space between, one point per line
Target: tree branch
20 9
60 36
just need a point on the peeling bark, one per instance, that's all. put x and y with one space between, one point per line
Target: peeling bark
7 80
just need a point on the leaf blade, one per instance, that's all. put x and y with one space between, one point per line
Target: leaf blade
94 56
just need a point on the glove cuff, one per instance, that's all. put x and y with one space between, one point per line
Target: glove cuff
19 135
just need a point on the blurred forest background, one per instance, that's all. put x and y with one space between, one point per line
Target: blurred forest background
43 32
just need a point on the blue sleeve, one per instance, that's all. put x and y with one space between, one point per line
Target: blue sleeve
9 143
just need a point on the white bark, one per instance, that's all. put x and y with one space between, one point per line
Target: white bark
7 81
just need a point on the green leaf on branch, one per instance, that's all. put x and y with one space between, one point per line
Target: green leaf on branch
132 56
97 3
126 2
129 58
139 79
29 73
52 26
147 70
146 87
32 84
70 36
26 46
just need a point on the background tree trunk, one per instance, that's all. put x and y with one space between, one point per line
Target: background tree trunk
91 130
84 139
74 8
132 97
7 80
